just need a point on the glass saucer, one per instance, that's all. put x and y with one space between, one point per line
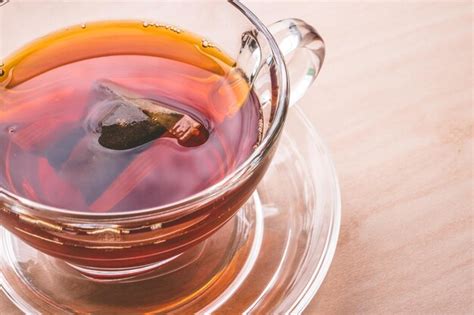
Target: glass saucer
270 258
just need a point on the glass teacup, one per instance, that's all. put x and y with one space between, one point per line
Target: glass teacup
114 246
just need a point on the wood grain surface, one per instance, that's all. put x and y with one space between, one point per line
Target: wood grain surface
394 104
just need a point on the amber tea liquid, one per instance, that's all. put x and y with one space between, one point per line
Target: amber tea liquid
120 116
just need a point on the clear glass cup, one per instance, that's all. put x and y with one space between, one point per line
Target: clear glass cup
117 246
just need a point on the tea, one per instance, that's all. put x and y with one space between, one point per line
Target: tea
119 116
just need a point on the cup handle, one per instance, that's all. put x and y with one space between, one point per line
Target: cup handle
303 50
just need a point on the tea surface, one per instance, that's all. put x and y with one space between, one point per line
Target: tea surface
118 116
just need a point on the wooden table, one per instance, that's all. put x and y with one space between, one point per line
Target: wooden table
394 104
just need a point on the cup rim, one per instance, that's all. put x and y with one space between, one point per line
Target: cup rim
187 205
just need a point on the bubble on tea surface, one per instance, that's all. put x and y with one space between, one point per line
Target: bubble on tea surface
11 129
123 120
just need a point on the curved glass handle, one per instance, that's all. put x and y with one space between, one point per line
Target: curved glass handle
303 50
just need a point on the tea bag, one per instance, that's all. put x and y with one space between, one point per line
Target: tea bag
119 120
130 121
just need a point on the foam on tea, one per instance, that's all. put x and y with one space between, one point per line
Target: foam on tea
117 116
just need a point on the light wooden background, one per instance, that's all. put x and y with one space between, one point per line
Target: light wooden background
394 104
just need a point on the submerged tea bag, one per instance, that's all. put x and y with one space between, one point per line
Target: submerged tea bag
129 121
118 120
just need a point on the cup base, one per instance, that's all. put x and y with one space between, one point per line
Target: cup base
140 273
36 282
